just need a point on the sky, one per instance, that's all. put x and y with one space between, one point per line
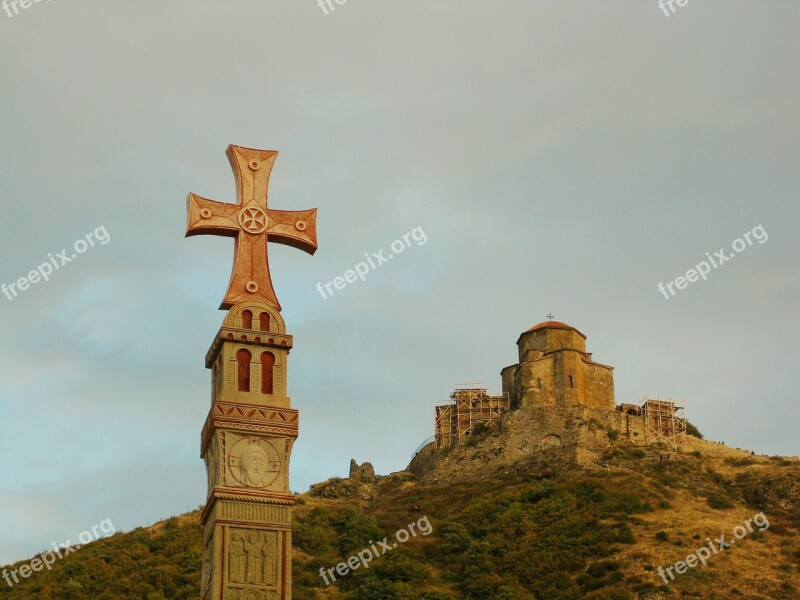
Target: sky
559 157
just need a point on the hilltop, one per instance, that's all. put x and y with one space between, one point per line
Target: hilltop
517 530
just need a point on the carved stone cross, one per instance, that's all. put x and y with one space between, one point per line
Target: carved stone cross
252 225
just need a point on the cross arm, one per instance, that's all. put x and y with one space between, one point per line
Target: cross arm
295 228
209 217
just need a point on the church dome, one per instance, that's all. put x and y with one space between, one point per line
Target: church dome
551 335
553 324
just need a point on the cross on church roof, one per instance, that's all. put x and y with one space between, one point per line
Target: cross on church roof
251 224
550 317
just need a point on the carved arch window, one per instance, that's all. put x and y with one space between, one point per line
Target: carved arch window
267 372
264 321
243 358
247 319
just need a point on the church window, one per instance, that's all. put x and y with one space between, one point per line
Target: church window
243 361
267 371
264 321
247 319
570 381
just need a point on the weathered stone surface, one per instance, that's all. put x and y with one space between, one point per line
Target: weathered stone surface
343 488
555 369
365 472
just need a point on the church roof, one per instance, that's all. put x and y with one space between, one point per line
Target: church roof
552 325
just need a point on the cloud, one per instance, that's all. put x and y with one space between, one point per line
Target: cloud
560 157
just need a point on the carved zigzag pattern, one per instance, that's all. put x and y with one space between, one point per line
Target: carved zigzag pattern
254 413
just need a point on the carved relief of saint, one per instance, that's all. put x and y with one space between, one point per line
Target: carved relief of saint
255 572
268 556
253 466
254 462
236 559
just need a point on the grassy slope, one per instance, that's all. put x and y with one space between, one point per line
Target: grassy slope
574 534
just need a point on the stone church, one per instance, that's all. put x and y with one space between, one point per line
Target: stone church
556 400
555 369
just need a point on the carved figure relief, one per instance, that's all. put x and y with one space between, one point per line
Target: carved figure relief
254 462
253 558
236 558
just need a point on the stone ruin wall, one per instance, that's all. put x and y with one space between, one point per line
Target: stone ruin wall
561 435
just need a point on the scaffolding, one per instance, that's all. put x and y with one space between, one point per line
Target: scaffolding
664 421
469 405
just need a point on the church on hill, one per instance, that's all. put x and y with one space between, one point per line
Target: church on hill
555 369
556 398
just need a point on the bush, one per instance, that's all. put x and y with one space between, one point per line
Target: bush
455 538
544 490
718 502
662 536
354 530
693 431
617 593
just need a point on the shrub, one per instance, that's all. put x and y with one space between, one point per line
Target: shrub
693 431
354 530
455 538
662 536
617 593
718 502
545 490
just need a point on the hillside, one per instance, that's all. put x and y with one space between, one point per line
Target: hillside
527 532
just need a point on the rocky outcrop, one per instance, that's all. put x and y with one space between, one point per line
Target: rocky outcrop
364 472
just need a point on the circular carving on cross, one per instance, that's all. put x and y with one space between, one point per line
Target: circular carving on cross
254 165
301 225
205 213
251 287
253 220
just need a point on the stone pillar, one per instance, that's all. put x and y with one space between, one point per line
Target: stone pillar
246 444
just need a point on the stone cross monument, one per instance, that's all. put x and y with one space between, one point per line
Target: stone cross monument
248 435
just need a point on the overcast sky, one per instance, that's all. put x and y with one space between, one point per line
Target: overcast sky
561 157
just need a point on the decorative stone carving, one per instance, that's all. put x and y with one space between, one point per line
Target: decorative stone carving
253 558
254 462
252 224
247 437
